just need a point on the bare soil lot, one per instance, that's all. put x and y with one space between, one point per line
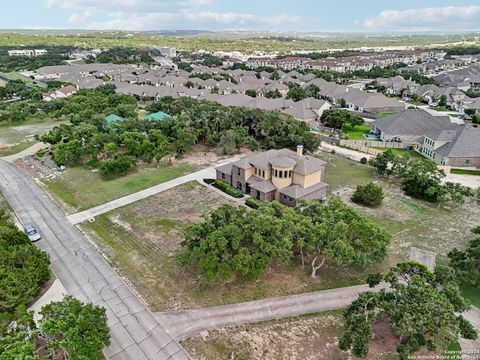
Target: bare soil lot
310 337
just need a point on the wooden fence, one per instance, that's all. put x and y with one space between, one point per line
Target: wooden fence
371 147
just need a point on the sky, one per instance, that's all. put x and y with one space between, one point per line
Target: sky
217 15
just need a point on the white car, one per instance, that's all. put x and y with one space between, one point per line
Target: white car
32 233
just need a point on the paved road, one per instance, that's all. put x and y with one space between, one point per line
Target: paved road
183 324
135 333
128 199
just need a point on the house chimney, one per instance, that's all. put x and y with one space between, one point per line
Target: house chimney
300 150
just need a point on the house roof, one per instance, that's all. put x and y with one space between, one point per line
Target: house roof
413 122
297 191
303 165
158 116
113 118
466 143
264 186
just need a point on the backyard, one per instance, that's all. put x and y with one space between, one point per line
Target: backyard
143 239
356 133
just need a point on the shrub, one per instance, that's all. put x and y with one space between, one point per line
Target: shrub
229 189
369 195
120 164
254 204
364 160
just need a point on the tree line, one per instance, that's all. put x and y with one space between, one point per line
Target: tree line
67 329
420 178
116 147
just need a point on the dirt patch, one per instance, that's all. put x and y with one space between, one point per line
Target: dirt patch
311 337
38 167
204 156
306 338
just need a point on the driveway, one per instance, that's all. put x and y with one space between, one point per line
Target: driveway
135 333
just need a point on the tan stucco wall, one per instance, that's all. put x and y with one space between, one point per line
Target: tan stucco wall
307 180
281 183
249 172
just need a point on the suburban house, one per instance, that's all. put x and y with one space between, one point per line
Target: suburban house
396 85
61 93
435 137
308 110
282 175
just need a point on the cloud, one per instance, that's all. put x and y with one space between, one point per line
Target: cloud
240 19
162 20
161 14
426 19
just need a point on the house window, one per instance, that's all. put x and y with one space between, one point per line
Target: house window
467 161
238 171
223 176
290 174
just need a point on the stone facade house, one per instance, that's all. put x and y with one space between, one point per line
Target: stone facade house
282 175
435 137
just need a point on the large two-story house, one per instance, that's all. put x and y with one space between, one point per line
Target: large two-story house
282 175
435 137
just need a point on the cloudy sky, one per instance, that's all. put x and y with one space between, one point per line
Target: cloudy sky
275 15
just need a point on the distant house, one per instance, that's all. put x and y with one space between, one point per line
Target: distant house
308 110
158 116
112 118
61 93
282 175
435 137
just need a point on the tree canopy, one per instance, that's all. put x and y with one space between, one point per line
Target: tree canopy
421 178
421 307
467 262
237 241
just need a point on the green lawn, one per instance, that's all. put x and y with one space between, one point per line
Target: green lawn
81 188
384 113
17 76
15 149
465 172
19 136
472 293
406 153
357 132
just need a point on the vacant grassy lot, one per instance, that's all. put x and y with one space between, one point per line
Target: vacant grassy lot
412 222
143 239
16 138
81 188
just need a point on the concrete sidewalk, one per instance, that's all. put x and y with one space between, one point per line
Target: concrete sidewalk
186 323
128 199
32 150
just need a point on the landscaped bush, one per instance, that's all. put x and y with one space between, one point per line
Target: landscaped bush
364 160
120 164
369 195
229 189
254 204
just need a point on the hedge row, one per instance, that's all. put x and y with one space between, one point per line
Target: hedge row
229 189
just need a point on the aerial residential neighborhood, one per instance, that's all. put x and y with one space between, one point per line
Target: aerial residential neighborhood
218 180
